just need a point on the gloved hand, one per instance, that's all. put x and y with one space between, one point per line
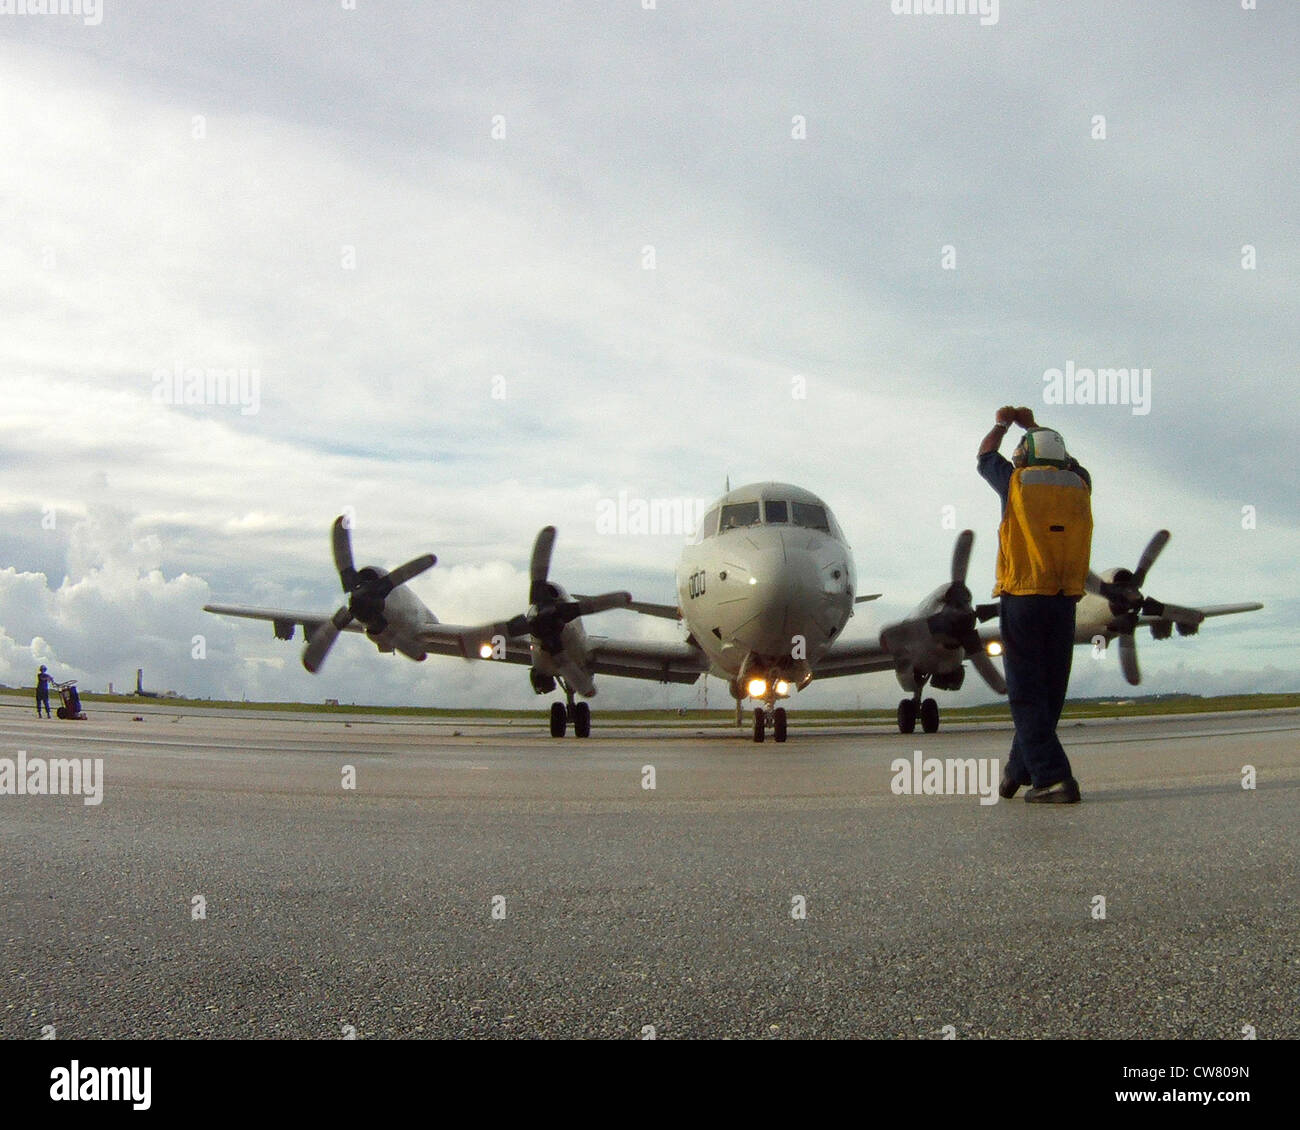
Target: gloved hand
1024 417
1007 414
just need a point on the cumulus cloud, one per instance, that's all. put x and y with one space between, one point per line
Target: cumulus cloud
460 337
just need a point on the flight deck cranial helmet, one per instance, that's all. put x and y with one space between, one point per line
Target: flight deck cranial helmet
1041 447
42 666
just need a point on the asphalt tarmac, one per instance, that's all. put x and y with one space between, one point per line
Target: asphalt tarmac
484 880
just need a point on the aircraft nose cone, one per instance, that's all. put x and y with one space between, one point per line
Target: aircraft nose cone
785 588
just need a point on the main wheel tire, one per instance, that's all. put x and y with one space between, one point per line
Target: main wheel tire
760 724
778 724
929 716
581 720
906 715
559 720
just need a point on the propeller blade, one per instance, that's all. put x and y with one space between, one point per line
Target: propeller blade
588 605
1128 659
342 542
404 573
323 638
540 567
518 626
961 556
979 659
1149 555
1093 584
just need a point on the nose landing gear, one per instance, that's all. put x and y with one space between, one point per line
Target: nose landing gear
766 715
778 720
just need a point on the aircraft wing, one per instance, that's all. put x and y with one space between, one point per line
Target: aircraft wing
648 608
658 660
664 661
1209 610
1173 614
283 619
853 657
460 640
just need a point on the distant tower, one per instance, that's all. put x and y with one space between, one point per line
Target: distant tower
139 680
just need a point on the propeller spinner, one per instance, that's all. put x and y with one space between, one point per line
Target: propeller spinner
549 607
366 589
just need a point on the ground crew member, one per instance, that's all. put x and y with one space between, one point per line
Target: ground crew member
1044 543
43 681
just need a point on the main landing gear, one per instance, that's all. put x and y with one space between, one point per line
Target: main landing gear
562 713
910 708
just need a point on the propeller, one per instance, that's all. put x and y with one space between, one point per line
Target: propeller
549 608
1123 592
958 616
366 589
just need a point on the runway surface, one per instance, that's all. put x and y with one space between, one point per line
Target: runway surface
331 910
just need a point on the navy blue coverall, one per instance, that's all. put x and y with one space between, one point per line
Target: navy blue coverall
43 681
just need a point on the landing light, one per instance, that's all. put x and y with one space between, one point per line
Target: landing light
753 580
994 648
485 651
757 688
782 687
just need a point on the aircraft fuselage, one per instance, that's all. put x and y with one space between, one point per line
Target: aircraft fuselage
767 586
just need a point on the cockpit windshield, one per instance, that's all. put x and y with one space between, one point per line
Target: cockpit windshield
810 516
739 514
708 526
771 512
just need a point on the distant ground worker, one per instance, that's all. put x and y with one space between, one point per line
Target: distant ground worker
1044 543
43 681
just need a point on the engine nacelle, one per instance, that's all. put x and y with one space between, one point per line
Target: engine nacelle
907 636
949 680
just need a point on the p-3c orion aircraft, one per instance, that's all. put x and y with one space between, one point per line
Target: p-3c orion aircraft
764 592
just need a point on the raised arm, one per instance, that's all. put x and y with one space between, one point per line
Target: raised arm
1006 416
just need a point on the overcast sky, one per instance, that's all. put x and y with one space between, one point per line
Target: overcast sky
492 263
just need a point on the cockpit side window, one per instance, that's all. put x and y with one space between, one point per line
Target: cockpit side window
739 514
708 526
810 516
776 511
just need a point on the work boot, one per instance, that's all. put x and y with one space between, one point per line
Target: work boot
1009 785
1062 792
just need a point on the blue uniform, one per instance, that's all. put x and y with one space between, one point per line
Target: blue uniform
1038 650
43 681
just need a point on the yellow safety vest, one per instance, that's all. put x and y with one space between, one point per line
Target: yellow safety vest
1046 534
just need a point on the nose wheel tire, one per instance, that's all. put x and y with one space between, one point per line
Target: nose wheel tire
929 716
778 724
760 724
907 715
559 719
581 720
